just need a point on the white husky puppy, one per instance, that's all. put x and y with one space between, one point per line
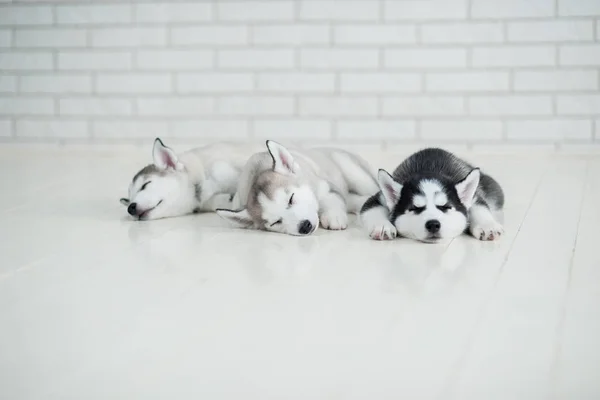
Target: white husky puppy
292 191
202 179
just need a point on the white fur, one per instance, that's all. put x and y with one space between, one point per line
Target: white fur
412 225
326 184
377 224
304 207
483 225
172 191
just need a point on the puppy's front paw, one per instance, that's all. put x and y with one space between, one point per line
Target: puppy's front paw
334 220
490 230
385 231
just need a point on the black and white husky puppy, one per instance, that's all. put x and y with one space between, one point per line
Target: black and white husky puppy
432 196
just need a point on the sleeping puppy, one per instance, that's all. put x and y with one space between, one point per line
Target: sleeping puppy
292 192
433 196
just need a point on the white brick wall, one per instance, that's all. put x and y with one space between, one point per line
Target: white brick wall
475 72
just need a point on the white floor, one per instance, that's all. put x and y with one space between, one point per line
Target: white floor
95 306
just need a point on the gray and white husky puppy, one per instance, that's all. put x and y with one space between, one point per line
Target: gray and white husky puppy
432 196
202 179
293 191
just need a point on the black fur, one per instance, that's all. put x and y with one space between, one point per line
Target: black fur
444 167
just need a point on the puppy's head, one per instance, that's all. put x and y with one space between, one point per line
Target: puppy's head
156 190
429 209
279 200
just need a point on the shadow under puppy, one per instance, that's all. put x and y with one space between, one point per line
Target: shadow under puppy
293 191
433 196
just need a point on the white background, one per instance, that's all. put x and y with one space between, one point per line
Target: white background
468 72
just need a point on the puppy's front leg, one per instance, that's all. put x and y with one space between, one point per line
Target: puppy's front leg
482 223
332 213
375 218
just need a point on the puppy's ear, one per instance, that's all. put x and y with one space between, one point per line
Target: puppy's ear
238 218
390 188
283 161
467 187
164 157
124 201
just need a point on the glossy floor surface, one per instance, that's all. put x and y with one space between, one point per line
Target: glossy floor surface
96 306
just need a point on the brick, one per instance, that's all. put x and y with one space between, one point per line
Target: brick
293 34
510 105
128 129
94 14
550 31
467 81
255 11
296 82
255 105
462 33
375 34
209 35
370 130
27 61
339 58
8 84
340 10
26 106
426 58
549 130
133 83
217 129
583 55
94 60
129 37
424 106
292 129
15 15
512 8
338 106
581 104
418 10
56 83
50 38
170 106
549 81
461 130
92 106
511 56
5 128
174 12
174 59
380 82
5 38
55 128
213 82
579 8
255 59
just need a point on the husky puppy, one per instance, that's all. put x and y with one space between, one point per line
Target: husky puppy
202 179
434 195
293 191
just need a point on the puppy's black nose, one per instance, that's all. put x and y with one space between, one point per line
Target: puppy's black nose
131 209
305 227
432 226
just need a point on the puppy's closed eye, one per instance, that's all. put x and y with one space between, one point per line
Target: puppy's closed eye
124 201
144 185
277 222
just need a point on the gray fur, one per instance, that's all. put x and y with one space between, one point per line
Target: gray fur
443 164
